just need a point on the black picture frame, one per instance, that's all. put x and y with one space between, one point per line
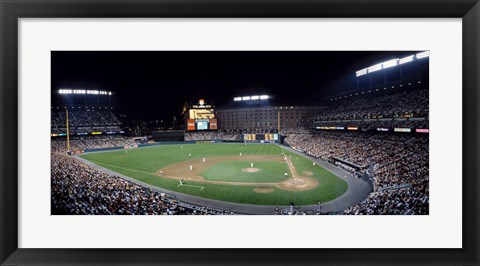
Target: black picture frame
11 11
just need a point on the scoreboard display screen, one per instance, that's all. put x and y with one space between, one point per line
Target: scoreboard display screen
260 137
202 125
271 136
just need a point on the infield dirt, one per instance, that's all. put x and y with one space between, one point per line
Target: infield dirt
182 171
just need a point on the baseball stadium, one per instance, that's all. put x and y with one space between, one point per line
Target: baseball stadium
219 145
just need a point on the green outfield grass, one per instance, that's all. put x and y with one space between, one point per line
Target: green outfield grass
269 172
143 163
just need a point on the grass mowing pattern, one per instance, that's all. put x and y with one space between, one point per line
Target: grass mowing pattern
143 163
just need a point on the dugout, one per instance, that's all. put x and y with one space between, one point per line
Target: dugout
339 161
168 135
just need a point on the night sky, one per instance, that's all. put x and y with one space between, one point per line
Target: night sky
154 85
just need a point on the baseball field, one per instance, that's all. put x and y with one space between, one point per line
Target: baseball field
260 174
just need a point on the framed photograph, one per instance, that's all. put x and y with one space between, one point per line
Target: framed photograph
179 132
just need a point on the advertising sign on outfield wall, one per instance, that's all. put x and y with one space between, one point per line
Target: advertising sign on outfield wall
400 129
422 130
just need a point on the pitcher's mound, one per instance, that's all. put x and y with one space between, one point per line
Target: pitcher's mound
263 190
250 170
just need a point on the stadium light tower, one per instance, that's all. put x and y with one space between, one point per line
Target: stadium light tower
85 93
251 98
397 62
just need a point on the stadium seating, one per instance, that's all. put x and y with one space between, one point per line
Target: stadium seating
213 135
90 142
78 189
398 162
412 103
86 120
400 166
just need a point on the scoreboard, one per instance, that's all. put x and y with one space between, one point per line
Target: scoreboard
201 117
201 124
260 138
271 136
204 113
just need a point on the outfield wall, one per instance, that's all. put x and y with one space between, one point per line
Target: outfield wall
168 143
140 146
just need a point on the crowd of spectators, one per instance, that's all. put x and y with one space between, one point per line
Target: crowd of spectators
402 104
79 189
393 159
294 130
213 135
405 201
91 142
86 120
396 158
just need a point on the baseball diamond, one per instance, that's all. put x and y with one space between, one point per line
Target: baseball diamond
225 175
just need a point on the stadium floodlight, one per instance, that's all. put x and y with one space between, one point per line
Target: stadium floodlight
390 63
361 72
264 97
237 99
246 98
374 68
84 92
255 97
423 54
405 60
65 91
